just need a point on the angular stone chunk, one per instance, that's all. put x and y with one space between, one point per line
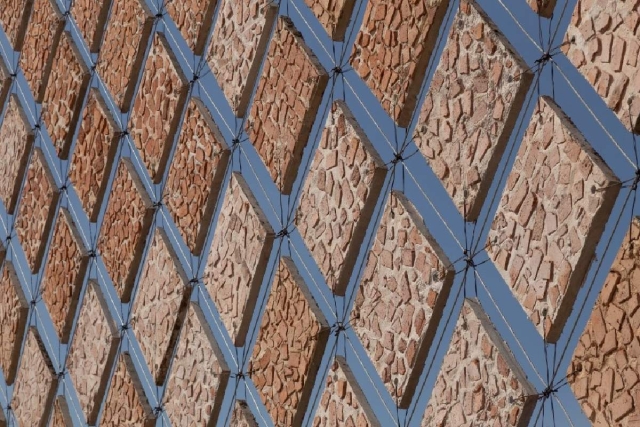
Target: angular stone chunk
93 351
196 175
43 33
471 107
189 402
93 154
14 17
122 53
339 196
334 15
480 382
342 402
604 370
401 297
124 228
61 416
558 198
63 94
289 347
36 210
16 139
242 416
193 19
286 103
14 310
91 17
392 51
126 404
543 7
238 258
35 386
156 112
240 40
160 306
603 42
64 274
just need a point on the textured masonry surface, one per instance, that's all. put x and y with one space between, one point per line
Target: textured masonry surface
474 99
604 369
193 18
238 257
91 16
290 342
334 15
543 7
558 198
393 48
339 196
402 293
242 416
603 42
286 101
13 319
480 382
13 18
241 35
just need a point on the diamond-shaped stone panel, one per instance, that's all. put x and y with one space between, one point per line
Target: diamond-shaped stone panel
556 203
342 402
13 319
606 50
93 154
240 38
93 351
63 274
289 348
156 111
393 48
286 102
63 95
339 195
242 416
13 20
193 19
543 7
126 405
16 139
159 307
5 82
480 382
43 33
36 210
196 175
123 48
60 416
91 17
124 228
471 108
188 402
603 373
238 257
334 15
401 297
35 385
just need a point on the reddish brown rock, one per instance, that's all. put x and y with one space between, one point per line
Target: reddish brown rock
238 257
189 402
473 102
193 19
543 7
603 42
124 228
196 175
91 17
159 308
61 416
480 382
63 274
242 416
93 154
401 297
289 348
339 196
36 210
240 38
156 112
393 48
334 15
551 217
13 20
93 350
603 373
13 319
286 103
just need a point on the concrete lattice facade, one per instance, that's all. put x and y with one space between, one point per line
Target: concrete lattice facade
319 213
